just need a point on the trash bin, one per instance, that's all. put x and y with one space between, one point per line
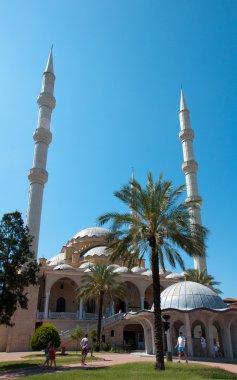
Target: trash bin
168 356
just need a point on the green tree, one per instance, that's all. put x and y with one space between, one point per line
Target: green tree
158 223
17 265
77 334
43 335
202 277
100 284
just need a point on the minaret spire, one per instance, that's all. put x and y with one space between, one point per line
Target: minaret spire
38 175
49 65
190 167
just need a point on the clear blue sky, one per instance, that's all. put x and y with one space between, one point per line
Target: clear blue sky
119 66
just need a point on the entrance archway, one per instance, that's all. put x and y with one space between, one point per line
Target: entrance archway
233 334
217 339
133 336
198 330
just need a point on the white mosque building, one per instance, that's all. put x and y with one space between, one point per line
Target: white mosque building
189 307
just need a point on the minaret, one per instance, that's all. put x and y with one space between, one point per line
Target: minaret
38 175
190 167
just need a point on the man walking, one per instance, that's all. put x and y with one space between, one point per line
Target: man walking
182 346
84 349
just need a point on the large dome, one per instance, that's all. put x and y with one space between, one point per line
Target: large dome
91 231
187 295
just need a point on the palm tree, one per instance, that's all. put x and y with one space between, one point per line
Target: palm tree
158 223
100 284
202 277
77 334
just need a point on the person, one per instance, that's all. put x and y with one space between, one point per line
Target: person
204 345
52 352
216 349
182 345
46 351
84 349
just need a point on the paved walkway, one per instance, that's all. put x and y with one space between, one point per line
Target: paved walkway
105 360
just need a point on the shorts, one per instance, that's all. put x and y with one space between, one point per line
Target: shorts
181 349
84 351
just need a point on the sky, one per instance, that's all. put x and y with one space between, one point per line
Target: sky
119 66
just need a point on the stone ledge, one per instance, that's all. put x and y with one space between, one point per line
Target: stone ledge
38 175
186 134
189 167
42 135
47 100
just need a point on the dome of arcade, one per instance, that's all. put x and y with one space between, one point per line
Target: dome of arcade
122 270
187 295
86 265
175 275
138 269
63 267
98 251
91 231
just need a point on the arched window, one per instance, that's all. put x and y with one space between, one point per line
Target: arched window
61 305
90 306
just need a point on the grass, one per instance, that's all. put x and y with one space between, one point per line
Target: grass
139 371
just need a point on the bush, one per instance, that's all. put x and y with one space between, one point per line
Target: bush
43 335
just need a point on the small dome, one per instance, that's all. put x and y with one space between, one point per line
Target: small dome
175 275
63 267
98 251
187 295
122 270
114 266
138 270
147 273
57 259
91 231
164 272
86 265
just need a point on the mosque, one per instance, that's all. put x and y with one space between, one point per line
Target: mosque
188 307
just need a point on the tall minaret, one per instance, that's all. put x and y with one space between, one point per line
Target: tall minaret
190 167
38 175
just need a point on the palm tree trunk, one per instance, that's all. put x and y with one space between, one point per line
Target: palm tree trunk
157 310
101 300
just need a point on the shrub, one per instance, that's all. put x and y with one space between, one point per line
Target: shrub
43 335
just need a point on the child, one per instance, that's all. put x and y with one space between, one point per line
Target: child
52 351
46 351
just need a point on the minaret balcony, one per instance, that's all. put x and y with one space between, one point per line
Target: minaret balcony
38 175
42 135
45 99
186 134
189 167
193 201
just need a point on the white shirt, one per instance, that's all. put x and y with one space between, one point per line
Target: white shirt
181 341
84 342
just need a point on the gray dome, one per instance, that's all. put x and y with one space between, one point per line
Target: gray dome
91 231
138 269
187 295
63 267
98 251
86 265
122 270
175 275
147 273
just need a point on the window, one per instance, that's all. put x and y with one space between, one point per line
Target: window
61 305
